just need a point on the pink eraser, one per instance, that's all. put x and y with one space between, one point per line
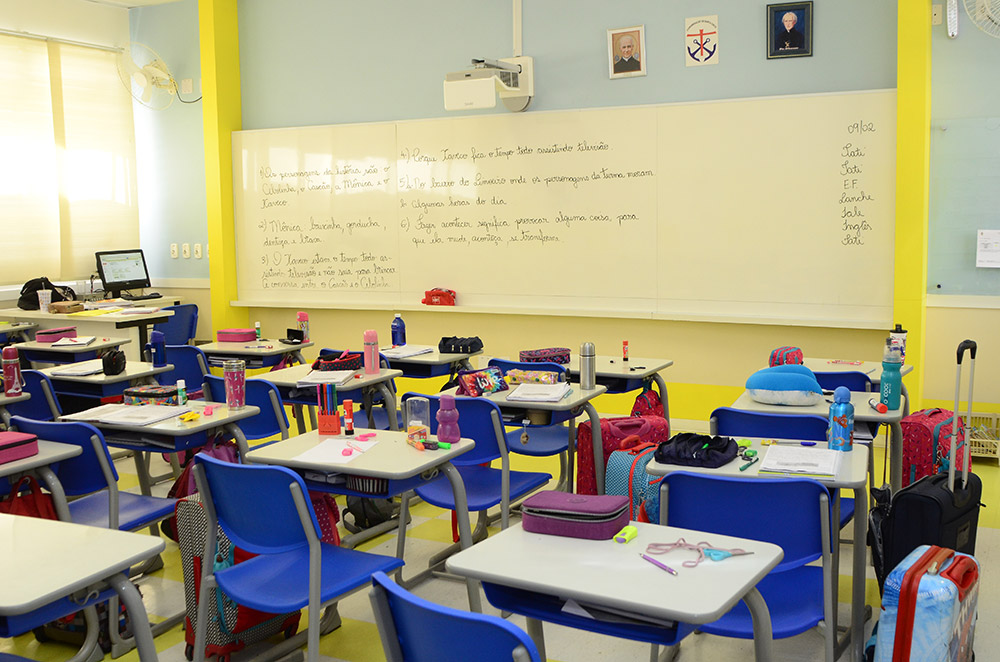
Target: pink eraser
208 410
346 451
365 437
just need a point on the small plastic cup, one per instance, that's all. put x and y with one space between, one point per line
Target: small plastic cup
418 412
235 376
44 300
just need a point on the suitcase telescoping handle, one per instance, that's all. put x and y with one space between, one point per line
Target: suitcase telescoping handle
962 346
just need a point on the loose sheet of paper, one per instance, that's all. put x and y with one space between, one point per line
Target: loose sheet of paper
331 450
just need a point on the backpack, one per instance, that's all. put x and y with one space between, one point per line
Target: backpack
927 442
367 512
29 293
626 473
647 403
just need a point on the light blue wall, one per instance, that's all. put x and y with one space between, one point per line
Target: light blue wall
965 159
170 146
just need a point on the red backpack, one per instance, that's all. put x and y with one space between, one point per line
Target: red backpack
927 443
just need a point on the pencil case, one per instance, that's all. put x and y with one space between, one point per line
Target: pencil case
517 376
17 446
150 395
235 335
52 335
66 307
593 517
558 355
344 361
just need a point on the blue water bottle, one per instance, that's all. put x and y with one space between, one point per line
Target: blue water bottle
840 434
157 349
892 377
398 331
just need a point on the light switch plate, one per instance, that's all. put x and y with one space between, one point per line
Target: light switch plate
173 251
197 251
937 14
187 86
186 250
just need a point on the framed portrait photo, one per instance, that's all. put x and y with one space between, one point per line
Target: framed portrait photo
789 30
627 52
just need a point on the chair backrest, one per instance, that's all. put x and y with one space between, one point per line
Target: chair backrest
547 366
254 505
728 421
854 380
479 420
783 511
43 404
190 364
260 393
415 630
182 327
90 471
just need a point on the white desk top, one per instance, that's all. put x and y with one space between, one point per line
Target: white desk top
871 368
862 411
390 458
8 400
133 370
289 377
16 327
636 367
71 320
851 474
43 560
174 427
253 348
612 575
98 344
49 452
577 398
434 357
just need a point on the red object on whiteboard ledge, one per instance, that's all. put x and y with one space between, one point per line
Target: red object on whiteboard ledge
439 296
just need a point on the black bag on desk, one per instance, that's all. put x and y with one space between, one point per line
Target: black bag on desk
456 345
113 362
29 293
697 450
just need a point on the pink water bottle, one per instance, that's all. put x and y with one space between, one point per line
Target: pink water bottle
11 372
447 418
303 322
371 352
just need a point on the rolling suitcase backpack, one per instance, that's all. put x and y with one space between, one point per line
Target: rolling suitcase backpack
929 608
937 509
231 627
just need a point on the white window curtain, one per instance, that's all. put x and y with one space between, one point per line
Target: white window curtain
67 159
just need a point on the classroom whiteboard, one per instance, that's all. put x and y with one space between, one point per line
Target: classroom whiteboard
777 210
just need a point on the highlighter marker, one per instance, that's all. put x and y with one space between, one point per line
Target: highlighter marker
877 406
348 417
626 534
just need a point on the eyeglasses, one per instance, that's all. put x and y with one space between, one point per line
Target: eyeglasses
704 549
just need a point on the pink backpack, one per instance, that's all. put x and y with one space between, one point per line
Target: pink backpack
927 443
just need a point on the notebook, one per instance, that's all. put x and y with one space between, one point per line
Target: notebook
405 351
540 392
338 377
801 460
79 341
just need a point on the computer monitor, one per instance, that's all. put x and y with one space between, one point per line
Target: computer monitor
122 270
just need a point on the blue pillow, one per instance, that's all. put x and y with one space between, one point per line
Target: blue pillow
787 384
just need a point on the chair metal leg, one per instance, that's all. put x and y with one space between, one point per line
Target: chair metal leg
537 636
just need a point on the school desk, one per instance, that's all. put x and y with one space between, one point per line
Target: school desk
174 435
9 400
99 386
256 353
624 376
871 368
522 572
852 474
287 379
863 413
42 561
46 352
18 330
40 465
578 401
134 326
432 364
392 460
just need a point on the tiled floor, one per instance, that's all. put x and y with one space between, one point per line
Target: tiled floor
357 640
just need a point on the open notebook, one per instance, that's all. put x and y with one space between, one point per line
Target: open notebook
338 377
801 461
540 392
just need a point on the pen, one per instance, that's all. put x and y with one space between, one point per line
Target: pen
659 565
749 464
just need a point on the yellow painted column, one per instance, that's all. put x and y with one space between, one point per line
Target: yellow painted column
913 121
220 71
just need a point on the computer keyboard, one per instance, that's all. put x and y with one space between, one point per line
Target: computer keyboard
141 297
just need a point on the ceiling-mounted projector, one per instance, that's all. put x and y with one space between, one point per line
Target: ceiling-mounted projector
510 78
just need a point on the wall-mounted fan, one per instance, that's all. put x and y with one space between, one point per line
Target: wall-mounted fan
145 75
985 14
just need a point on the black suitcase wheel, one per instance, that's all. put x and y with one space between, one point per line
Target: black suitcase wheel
189 652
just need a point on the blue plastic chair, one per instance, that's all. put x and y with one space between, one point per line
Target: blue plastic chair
415 630
43 404
809 427
266 510
272 419
854 380
181 328
540 440
379 415
190 364
794 514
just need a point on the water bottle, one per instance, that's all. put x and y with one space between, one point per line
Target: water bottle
157 349
447 418
11 372
892 378
840 434
371 352
898 336
398 331
588 366
302 319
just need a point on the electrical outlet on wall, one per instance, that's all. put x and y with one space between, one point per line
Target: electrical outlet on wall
197 251
186 250
187 86
937 14
173 251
